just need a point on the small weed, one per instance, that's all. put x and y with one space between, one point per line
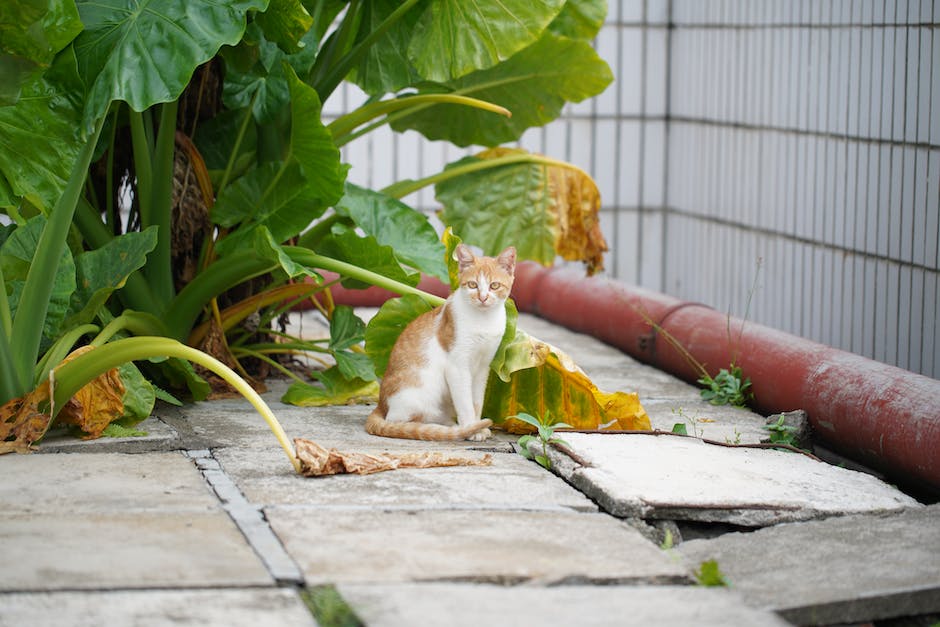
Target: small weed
708 574
329 608
668 541
546 435
782 433
737 437
728 387
682 427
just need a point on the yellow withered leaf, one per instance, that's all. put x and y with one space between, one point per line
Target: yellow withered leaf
542 379
97 404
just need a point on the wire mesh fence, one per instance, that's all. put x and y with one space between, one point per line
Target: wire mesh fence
798 142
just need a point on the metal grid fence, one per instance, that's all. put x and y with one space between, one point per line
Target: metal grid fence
803 134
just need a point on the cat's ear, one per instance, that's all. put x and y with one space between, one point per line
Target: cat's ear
507 259
464 256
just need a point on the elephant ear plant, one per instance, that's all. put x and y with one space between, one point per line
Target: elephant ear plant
156 155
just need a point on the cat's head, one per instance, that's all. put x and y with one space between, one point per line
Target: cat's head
485 281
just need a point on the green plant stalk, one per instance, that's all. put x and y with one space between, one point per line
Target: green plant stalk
338 72
60 350
240 352
403 188
140 144
159 269
336 45
344 125
312 236
71 376
136 322
313 260
26 330
184 309
233 156
109 172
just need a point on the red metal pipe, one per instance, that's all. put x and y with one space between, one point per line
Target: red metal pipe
881 415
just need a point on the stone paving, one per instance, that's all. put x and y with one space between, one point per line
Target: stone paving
204 522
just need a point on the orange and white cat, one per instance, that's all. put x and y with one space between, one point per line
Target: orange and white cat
440 364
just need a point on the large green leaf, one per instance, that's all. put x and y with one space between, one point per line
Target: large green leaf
346 331
455 37
580 19
267 248
312 144
534 84
16 256
395 224
265 74
274 196
101 271
385 327
385 68
366 252
513 197
145 51
39 135
285 22
545 208
335 390
31 33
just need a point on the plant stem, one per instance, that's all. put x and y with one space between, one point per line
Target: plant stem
343 126
72 375
159 266
403 188
313 260
26 330
142 165
242 129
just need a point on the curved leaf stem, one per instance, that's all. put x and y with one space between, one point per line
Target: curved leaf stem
403 188
311 259
72 375
342 127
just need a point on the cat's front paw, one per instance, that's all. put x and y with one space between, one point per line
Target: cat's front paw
480 435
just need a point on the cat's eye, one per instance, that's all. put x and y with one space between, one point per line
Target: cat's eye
495 285
472 285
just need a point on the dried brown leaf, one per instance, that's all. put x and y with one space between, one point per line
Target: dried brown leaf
318 461
24 420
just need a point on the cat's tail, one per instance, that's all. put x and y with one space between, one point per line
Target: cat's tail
377 425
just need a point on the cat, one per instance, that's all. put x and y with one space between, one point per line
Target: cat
440 363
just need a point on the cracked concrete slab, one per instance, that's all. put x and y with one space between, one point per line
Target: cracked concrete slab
676 478
208 608
852 569
494 546
464 605
265 477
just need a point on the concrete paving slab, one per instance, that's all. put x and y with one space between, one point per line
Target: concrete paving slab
265 477
125 550
852 569
156 608
722 423
158 436
98 482
472 546
232 422
466 605
676 478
